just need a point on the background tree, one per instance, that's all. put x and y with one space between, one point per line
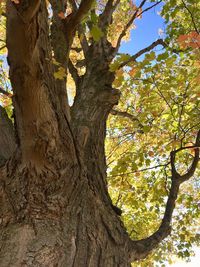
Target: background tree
55 205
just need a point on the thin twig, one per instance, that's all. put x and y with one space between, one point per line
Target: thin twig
191 15
141 170
135 15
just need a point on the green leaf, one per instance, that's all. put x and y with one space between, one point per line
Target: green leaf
96 33
60 74
162 56
151 56
146 129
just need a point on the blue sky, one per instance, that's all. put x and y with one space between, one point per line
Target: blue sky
146 31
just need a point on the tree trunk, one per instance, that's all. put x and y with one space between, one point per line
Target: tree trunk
79 230
7 138
55 208
94 99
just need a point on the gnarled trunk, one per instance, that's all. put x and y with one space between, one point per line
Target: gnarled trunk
71 227
55 209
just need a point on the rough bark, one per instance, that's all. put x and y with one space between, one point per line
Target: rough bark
7 137
61 51
52 213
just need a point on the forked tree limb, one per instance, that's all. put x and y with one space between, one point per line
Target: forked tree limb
77 16
143 247
184 177
83 39
106 17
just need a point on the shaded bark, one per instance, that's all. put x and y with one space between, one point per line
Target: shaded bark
94 99
61 50
7 137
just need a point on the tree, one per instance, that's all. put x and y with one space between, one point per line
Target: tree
55 205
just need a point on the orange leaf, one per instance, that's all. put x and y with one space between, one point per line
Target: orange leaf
151 153
61 15
132 72
189 40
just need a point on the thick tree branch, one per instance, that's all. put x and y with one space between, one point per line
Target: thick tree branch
32 81
76 17
147 49
7 137
106 17
83 39
62 34
60 48
27 10
143 247
143 51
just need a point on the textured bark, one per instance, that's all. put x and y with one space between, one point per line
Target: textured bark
61 51
94 99
55 207
7 137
